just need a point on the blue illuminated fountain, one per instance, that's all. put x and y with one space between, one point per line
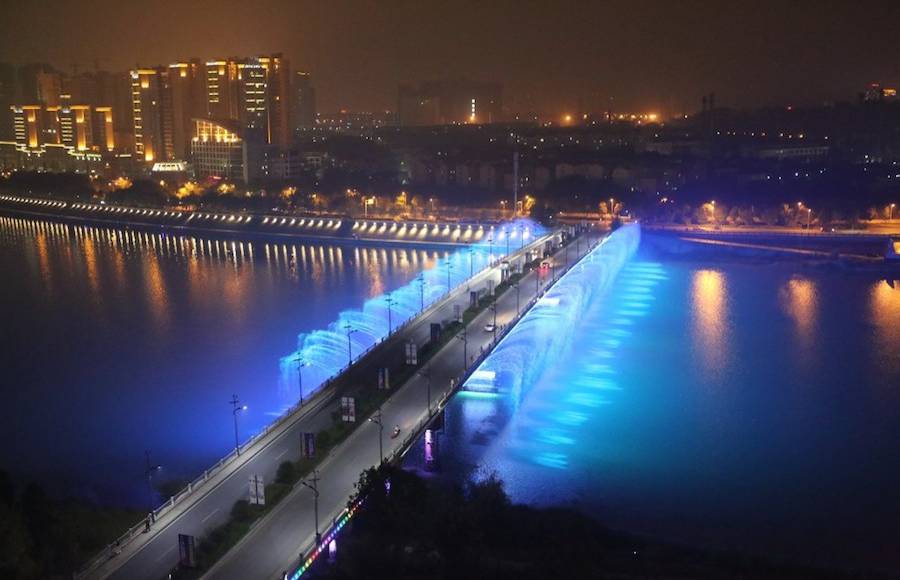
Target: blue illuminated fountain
322 354
545 332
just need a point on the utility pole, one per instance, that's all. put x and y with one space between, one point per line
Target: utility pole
449 267
494 325
516 286
422 292
516 176
150 470
236 408
465 338
300 365
350 330
427 374
377 420
390 301
315 489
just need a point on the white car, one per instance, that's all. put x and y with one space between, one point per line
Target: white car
489 327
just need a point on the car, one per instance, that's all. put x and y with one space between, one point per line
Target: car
545 265
489 327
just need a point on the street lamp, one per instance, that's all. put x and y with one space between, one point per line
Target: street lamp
236 408
449 267
421 278
377 420
491 255
389 300
471 261
350 330
494 325
300 365
465 338
427 374
516 286
315 489
891 218
612 207
150 470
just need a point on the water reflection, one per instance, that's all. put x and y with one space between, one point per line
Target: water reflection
884 300
709 300
149 329
799 299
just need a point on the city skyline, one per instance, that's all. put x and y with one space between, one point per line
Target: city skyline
550 57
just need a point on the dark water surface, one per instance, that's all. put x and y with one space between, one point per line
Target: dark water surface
753 406
114 341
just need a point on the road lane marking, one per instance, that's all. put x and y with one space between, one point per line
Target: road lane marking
164 554
203 521
280 454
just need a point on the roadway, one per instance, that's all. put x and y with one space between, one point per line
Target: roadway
278 540
158 554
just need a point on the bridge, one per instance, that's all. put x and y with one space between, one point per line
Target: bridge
207 501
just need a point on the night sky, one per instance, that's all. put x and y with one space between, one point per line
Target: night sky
555 56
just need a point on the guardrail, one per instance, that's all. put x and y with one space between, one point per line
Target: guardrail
289 414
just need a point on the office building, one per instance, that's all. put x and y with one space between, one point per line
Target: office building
186 82
152 113
217 150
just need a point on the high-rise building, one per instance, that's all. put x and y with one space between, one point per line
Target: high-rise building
449 102
222 89
103 129
28 123
255 92
7 99
152 110
188 94
304 101
75 127
49 87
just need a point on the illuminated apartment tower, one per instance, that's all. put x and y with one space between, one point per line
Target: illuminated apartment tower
104 129
222 89
265 99
75 127
28 125
152 108
188 97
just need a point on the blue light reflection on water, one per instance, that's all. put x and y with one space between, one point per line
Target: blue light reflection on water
753 406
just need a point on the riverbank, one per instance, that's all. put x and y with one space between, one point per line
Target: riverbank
274 226
410 528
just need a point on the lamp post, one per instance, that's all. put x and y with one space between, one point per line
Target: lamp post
377 420
516 286
471 261
449 267
150 470
389 300
463 336
350 330
494 324
300 365
891 218
507 244
491 255
427 374
315 489
421 292
236 408
612 207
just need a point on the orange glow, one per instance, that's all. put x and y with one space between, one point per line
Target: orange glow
709 295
